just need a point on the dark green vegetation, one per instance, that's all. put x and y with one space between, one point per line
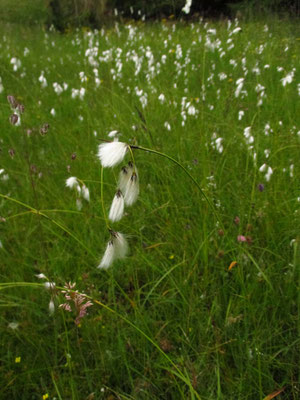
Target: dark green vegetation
64 14
179 324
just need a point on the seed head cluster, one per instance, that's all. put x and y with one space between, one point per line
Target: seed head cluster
81 190
111 154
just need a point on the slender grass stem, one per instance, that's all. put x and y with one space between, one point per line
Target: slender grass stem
55 385
102 203
187 173
40 213
132 157
177 371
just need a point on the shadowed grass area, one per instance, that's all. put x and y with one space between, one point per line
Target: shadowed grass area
170 321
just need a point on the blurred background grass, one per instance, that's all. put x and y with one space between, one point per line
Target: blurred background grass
234 335
64 14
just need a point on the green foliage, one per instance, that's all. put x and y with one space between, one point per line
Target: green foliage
155 8
173 322
66 13
254 8
25 12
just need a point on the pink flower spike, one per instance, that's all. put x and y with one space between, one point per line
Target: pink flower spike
241 238
79 301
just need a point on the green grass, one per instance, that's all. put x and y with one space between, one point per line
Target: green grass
172 322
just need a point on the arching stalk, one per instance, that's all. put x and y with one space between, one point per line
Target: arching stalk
187 173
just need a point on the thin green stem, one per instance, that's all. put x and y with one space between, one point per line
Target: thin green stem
102 203
18 202
203 85
179 373
188 174
55 385
40 213
132 157
176 371
68 357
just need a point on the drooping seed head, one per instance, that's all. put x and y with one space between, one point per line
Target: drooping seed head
117 207
132 189
112 153
108 257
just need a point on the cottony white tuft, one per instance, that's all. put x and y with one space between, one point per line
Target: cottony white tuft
263 168
85 193
49 285
112 134
124 176
78 204
120 244
111 154
51 307
41 276
108 257
132 189
269 174
117 207
72 182
187 7
116 248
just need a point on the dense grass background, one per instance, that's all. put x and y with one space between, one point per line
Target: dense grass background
64 14
222 334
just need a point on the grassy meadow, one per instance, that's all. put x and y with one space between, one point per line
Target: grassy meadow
206 304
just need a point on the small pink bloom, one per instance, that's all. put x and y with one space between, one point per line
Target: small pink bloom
78 300
241 238
66 307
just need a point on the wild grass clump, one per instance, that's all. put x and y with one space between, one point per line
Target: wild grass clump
197 291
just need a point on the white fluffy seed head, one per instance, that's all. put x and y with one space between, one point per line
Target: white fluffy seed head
111 154
85 193
121 245
41 276
116 248
51 307
117 207
72 182
112 134
269 174
49 285
132 189
108 257
78 204
78 188
263 168
124 176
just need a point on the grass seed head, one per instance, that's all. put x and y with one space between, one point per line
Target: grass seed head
112 153
109 256
117 207
132 189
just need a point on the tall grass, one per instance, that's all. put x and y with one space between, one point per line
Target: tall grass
171 321
36 12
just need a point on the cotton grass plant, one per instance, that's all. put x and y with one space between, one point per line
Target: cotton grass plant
205 302
111 154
